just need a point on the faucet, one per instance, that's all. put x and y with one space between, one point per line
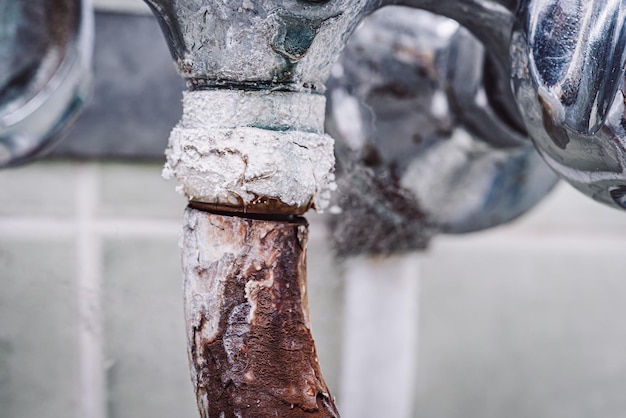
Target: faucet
568 78
565 59
251 153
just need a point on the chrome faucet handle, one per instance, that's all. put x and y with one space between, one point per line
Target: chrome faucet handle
568 61
45 54
275 44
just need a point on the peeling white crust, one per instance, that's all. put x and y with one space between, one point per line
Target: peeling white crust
236 148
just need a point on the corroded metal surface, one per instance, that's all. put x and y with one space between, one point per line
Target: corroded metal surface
257 152
272 46
257 45
250 344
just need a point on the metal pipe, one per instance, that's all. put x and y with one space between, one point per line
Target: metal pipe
250 346
251 141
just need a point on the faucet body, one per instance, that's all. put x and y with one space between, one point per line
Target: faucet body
289 47
250 153
565 58
411 162
255 45
277 55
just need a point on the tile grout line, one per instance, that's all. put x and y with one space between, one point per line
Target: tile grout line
132 225
93 402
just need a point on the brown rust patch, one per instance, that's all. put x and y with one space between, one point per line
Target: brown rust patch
261 361
558 134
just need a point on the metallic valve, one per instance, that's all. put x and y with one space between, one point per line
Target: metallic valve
291 46
565 59
45 54
275 57
568 61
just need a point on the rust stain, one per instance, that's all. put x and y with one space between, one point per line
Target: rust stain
262 205
262 360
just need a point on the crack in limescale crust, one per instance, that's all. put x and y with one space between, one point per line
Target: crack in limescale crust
289 161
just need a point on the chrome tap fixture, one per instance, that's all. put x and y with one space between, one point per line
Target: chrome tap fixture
45 54
276 44
568 77
274 47
551 71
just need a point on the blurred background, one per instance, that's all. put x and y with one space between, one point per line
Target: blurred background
524 320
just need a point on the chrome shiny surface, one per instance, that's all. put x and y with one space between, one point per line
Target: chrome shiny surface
401 131
45 53
578 50
568 75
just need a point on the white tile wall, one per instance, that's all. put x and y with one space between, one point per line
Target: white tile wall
521 321
526 321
